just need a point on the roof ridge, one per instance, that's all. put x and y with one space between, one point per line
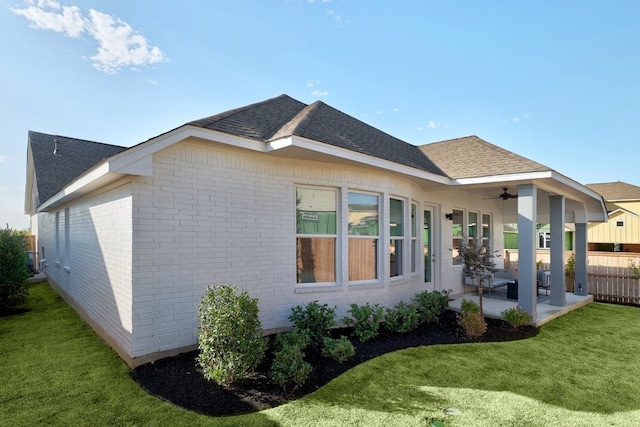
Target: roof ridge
299 122
208 120
75 139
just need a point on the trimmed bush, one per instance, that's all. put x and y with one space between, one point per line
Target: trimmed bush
230 342
468 306
315 320
516 316
402 318
338 349
13 269
288 369
473 324
365 321
431 305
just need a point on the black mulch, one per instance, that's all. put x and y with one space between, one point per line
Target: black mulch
179 380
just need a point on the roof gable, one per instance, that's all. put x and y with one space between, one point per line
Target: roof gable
472 157
76 156
616 191
283 117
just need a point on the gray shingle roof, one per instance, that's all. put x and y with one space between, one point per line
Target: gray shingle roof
283 117
616 190
53 173
472 157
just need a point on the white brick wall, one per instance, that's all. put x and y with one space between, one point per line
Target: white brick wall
98 274
214 215
142 254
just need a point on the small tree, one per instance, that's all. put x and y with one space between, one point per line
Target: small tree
570 272
478 263
13 269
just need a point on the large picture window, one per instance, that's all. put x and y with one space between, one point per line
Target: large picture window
364 235
316 234
396 231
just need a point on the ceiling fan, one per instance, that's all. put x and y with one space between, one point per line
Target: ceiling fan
505 195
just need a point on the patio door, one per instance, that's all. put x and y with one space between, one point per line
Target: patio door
428 242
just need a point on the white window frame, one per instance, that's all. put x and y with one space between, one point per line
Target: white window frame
57 258
413 236
67 240
399 260
377 237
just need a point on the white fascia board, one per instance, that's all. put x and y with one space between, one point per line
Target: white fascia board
138 160
625 211
502 178
76 187
320 147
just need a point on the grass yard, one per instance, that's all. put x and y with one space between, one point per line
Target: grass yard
581 370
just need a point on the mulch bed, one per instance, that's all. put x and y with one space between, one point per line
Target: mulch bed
179 379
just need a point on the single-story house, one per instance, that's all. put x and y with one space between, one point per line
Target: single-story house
289 201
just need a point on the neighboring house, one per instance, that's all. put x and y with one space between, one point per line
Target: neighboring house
291 202
622 232
543 240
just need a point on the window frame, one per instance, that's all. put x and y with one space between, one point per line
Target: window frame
335 237
375 238
399 259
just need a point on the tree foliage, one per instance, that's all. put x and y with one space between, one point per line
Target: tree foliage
13 269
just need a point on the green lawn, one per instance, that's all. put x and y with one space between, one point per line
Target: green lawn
581 370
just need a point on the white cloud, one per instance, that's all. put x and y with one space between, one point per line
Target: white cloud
119 45
433 125
4 158
318 92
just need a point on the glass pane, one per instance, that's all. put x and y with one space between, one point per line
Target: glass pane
363 214
473 224
363 259
396 210
427 246
486 226
315 211
395 257
316 259
414 227
455 251
458 218
414 252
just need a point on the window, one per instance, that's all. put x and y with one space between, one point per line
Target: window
619 223
58 237
486 230
544 240
316 234
67 241
414 237
458 224
396 232
364 235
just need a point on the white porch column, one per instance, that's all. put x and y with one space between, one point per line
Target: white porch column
556 211
527 209
581 286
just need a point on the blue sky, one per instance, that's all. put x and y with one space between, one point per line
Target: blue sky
554 81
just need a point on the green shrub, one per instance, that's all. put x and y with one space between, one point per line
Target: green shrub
468 306
365 321
431 305
338 349
315 320
516 316
473 324
13 269
402 318
288 369
230 342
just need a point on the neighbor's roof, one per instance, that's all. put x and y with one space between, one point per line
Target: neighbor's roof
472 157
77 156
283 116
616 191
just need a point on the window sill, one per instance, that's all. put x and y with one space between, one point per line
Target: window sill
57 263
356 286
400 280
67 269
311 288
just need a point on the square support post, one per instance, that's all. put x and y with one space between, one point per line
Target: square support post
527 212
557 212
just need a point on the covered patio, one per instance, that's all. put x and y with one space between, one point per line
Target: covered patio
493 307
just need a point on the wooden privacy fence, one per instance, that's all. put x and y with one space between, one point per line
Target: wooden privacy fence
613 284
